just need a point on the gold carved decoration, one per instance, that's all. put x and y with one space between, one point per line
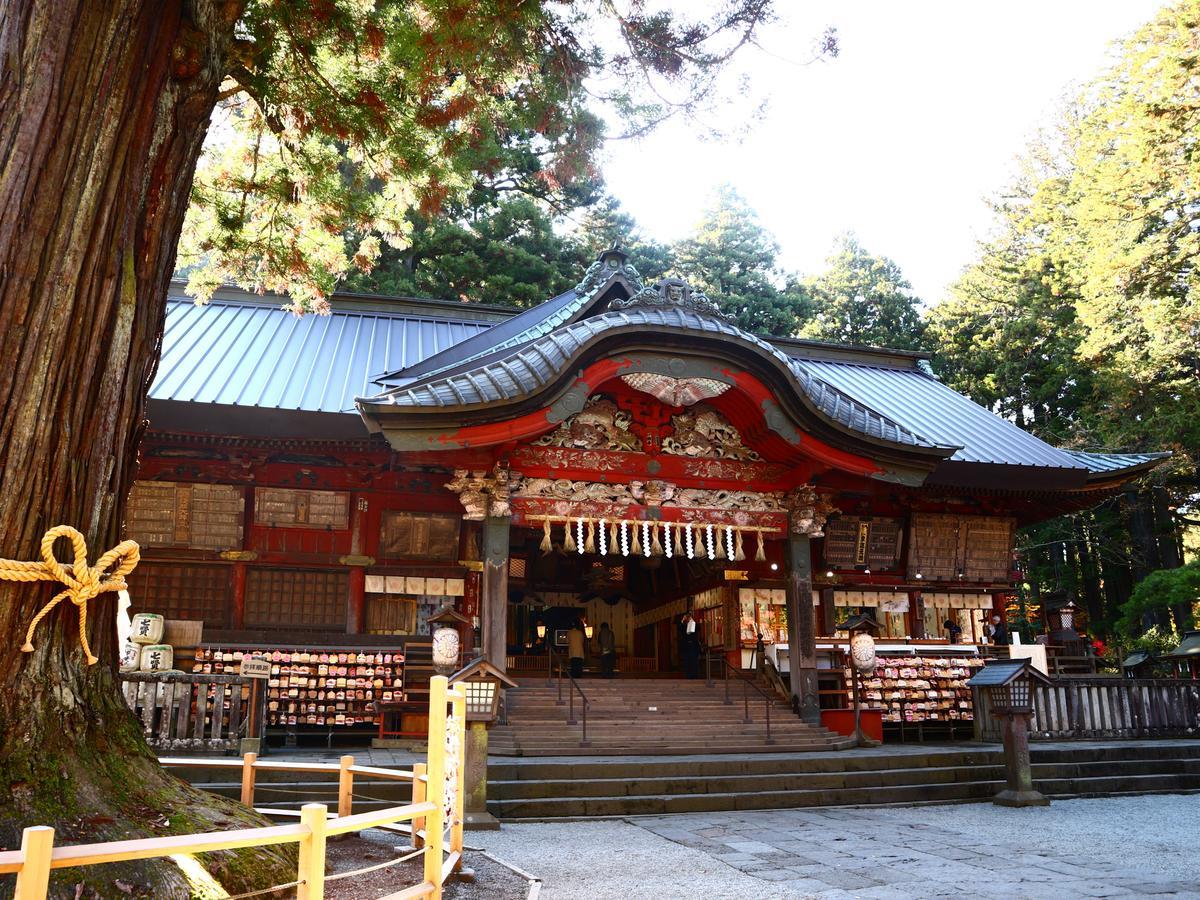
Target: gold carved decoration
482 493
600 425
706 434
808 510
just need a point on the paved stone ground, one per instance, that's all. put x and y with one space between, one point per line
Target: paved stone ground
1126 846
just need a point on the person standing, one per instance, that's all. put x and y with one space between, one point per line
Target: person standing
953 631
576 643
999 632
690 646
608 650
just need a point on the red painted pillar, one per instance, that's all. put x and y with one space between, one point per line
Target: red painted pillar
357 606
238 613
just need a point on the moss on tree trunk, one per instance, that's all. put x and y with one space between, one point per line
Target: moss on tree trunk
103 110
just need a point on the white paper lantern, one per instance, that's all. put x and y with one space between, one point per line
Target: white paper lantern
445 647
862 651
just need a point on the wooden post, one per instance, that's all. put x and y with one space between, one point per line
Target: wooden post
494 602
311 870
238 607
459 696
356 602
248 779
802 639
345 786
436 793
33 881
418 796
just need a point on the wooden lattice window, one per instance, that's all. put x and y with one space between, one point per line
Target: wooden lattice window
196 592
950 548
418 535
178 514
296 598
861 542
289 508
391 615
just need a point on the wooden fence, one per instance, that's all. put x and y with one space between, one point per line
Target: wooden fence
435 817
198 713
1103 708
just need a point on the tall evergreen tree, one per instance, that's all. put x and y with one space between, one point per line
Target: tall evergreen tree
863 299
734 259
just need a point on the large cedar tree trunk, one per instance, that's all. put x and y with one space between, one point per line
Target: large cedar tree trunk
104 105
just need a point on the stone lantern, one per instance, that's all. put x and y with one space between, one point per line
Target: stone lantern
483 683
1009 688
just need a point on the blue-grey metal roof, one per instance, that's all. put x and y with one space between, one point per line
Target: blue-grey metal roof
924 405
1107 463
252 353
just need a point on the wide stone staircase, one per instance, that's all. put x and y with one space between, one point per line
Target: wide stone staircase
885 776
892 775
648 716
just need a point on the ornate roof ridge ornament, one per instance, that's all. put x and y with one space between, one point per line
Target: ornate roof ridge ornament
613 261
674 292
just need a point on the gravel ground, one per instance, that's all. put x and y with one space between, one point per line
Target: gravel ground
493 882
1118 845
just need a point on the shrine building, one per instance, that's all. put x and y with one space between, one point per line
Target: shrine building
621 454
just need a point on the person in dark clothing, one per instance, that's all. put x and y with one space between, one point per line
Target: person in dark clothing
1000 632
953 631
576 641
608 650
689 645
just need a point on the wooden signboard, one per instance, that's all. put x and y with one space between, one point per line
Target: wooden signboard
178 514
290 508
254 667
862 542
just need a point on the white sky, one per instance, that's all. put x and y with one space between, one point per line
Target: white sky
899 139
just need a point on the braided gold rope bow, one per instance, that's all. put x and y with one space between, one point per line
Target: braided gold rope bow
83 581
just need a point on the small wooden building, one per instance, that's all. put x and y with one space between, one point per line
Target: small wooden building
621 453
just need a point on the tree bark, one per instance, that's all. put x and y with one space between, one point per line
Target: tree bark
103 110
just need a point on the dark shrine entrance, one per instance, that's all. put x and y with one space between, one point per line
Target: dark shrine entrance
641 599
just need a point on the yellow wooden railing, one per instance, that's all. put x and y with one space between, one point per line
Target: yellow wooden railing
435 815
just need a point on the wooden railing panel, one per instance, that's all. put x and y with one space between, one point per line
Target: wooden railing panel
1082 708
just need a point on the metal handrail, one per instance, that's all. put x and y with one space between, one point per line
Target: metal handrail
571 720
747 683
